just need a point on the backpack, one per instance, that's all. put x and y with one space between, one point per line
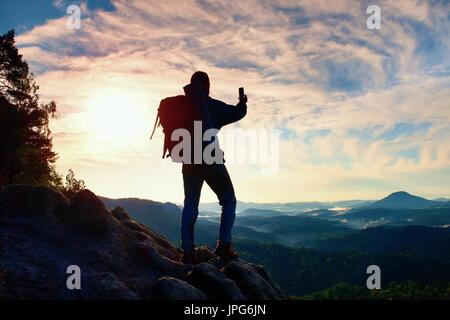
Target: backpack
181 112
174 113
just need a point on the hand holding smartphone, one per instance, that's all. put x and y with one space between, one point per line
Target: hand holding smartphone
242 96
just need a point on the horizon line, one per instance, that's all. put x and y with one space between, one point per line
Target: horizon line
286 202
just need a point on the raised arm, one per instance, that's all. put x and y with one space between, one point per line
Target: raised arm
227 114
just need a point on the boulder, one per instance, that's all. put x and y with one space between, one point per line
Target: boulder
120 214
250 282
106 286
214 283
153 236
31 201
168 288
204 254
154 257
88 214
263 273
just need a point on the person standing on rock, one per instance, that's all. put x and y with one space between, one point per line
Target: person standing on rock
214 114
215 175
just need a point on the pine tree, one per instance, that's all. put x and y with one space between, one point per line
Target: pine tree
26 154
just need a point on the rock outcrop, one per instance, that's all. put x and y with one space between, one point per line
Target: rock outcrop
42 233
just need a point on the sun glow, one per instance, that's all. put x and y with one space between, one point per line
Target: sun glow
116 118
113 114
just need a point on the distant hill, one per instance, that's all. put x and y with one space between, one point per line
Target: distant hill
303 271
317 213
402 200
289 207
261 213
363 218
442 199
164 218
294 229
289 228
417 240
268 226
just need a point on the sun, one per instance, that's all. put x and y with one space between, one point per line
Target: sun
116 117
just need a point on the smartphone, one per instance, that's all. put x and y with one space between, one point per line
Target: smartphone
241 92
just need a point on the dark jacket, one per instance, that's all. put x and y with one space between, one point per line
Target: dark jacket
223 114
183 110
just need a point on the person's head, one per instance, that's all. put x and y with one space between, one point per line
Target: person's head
202 78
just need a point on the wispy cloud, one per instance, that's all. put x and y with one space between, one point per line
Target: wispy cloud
368 109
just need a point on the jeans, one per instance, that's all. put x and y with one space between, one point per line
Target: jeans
218 179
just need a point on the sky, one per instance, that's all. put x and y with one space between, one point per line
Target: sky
361 113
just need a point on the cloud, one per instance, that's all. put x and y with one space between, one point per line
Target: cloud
352 103
61 4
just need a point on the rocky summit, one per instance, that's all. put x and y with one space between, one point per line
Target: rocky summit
43 235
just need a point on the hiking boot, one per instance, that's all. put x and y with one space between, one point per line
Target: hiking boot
225 251
189 258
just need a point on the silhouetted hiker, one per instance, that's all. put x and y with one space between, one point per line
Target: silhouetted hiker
213 114
215 175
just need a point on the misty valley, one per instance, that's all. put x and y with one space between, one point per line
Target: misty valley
310 248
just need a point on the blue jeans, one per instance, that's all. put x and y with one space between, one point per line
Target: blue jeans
218 179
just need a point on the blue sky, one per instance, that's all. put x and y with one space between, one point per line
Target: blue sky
361 112
23 15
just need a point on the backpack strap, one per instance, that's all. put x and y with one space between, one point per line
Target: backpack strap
165 148
157 120
157 123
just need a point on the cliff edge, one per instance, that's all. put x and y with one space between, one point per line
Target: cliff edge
42 233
